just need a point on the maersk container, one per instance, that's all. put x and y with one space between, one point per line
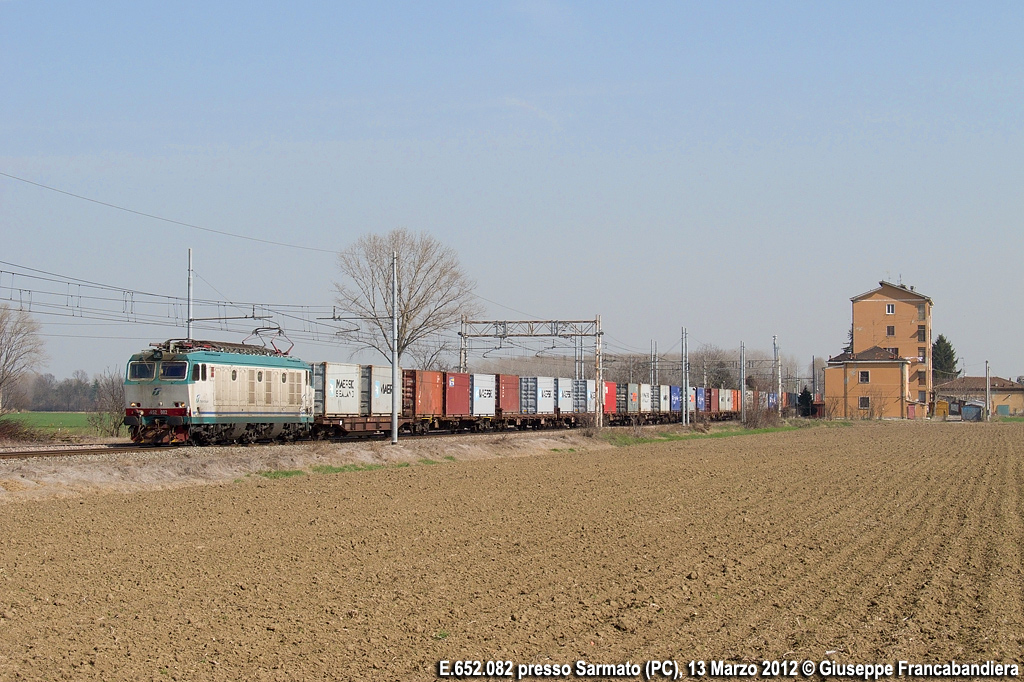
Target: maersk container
702 403
563 393
375 396
632 397
609 397
645 397
675 399
422 393
537 395
456 394
508 394
482 401
584 395
336 389
666 399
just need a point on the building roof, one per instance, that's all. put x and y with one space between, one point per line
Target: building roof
903 288
977 384
873 354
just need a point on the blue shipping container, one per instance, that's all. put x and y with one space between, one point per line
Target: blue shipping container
675 399
700 399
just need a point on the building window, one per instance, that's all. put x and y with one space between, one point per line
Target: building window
921 311
922 396
864 402
922 353
890 330
894 351
922 378
922 334
890 308
865 377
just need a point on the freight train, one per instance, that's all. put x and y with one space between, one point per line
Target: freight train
189 391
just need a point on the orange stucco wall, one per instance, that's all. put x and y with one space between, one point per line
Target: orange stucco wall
884 389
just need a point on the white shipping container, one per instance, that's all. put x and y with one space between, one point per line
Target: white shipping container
693 398
645 397
584 395
537 395
563 392
666 399
336 387
724 400
481 392
376 393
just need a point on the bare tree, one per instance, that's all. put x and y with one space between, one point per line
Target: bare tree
20 346
107 416
433 291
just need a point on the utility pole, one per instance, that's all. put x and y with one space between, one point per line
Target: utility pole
778 375
463 348
988 393
599 406
743 384
396 384
686 382
188 324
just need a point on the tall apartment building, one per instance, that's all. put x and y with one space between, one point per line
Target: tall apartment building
889 371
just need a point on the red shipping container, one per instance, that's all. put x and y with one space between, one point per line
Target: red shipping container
456 394
609 397
422 393
508 393
713 405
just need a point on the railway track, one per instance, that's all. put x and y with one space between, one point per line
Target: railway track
69 451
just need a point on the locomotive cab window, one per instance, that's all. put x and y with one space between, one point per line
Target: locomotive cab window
195 372
173 371
141 371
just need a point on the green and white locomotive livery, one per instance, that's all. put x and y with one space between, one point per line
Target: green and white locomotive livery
187 391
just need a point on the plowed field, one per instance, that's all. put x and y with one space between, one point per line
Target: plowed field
872 543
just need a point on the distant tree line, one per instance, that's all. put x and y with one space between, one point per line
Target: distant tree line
45 393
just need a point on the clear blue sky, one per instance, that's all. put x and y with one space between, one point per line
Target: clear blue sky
741 169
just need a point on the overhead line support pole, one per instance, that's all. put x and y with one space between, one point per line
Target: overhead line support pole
396 384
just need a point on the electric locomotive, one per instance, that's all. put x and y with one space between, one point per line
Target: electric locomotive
188 391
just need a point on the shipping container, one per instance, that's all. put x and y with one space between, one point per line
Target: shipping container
584 396
537 395
563 395
482 402
702 404
632 397
645 398
508 394
693 399
336 389
675 399
375 396
666 399
609 397
714 404
456 394
422 393
724 400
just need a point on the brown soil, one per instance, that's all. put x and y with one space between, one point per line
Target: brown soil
871 543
